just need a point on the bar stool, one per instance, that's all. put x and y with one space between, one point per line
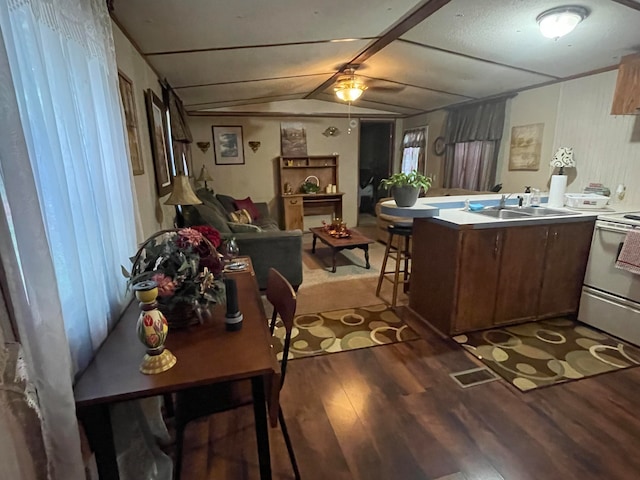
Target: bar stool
401 255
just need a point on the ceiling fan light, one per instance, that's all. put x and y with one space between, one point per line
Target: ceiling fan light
558 22
349 93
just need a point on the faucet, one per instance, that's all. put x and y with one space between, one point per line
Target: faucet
503 200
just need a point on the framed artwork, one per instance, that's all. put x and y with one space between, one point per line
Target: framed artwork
293 139
227 145
526 143
156 113
131 121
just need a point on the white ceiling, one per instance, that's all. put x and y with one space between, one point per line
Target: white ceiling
218 55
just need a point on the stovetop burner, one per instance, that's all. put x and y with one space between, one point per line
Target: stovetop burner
628 218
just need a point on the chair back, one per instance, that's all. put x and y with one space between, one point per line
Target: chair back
281 295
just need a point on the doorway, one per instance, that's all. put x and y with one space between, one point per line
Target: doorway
375 163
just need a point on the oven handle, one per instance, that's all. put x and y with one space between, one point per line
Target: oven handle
612 229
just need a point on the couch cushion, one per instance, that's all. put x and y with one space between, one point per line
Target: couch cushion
243 227
267 224
229 203
209 199
211 216
248 204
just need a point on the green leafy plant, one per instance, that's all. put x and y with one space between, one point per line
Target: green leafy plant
310 187
412 179
184 263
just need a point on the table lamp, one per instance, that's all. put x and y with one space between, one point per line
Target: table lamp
182 194
563 158
204 176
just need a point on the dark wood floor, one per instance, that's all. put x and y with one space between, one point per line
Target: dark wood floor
393 412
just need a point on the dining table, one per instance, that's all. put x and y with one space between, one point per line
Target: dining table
206 354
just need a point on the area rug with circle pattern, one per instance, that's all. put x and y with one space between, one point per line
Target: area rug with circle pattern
341 330
548 352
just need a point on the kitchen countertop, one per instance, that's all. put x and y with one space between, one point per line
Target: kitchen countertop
450 211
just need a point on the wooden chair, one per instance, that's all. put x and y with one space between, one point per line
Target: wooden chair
204 401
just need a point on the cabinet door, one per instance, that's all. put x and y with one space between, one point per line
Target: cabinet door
626 100
521 270
477 279
293 213
566 261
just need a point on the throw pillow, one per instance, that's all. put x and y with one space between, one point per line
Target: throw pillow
244 228
212 217
248 204
229 203
240 216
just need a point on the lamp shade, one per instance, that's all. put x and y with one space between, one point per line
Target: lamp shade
182 193
563 158
204 175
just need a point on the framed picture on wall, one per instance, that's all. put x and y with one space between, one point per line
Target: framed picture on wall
131 121
227 145
526 143
293 139
156 113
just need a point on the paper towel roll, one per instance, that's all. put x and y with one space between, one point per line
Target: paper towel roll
556 192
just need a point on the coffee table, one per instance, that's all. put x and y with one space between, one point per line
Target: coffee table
356 240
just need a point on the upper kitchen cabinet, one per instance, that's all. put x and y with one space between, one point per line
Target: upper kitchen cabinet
626 100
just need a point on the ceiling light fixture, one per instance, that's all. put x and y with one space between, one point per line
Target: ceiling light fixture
349 88
558 22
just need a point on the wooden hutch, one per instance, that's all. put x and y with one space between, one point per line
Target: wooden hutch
296 204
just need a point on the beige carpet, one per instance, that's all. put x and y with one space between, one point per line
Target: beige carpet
341 330
548 352
350 264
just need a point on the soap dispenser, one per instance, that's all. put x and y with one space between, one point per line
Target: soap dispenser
527 197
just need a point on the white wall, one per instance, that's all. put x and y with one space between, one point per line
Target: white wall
576 114
154 215
606 147
258 177
529 107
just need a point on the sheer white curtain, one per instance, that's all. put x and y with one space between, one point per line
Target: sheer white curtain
67 209
413 144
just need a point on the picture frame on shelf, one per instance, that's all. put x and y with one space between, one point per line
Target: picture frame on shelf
228 145
131 122
160 145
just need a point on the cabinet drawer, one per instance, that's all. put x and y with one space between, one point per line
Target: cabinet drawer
293 213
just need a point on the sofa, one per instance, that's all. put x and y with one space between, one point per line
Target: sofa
256 232
383 221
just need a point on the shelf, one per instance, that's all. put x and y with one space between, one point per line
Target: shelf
308 166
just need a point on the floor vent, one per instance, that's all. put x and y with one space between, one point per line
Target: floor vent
473 377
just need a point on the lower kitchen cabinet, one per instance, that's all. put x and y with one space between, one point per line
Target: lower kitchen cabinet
568 248
469 279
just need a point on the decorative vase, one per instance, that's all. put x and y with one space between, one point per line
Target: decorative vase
152 330
405 195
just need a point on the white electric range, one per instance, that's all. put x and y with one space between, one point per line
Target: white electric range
610 297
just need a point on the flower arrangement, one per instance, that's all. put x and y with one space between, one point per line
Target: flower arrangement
185 265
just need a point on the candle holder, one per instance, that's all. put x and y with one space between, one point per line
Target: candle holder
152 330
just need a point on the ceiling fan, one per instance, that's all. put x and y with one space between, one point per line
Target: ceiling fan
349 87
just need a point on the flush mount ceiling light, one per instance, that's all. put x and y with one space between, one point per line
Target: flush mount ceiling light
349 88
557 22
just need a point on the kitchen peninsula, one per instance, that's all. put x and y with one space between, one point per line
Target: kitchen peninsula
472 271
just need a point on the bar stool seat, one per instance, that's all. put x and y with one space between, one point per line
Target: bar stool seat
402 257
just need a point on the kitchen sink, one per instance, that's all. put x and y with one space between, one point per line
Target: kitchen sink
503 214
508 213
540 211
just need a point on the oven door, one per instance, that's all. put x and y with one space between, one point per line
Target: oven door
611 314
602 273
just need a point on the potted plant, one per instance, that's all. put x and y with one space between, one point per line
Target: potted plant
405 187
